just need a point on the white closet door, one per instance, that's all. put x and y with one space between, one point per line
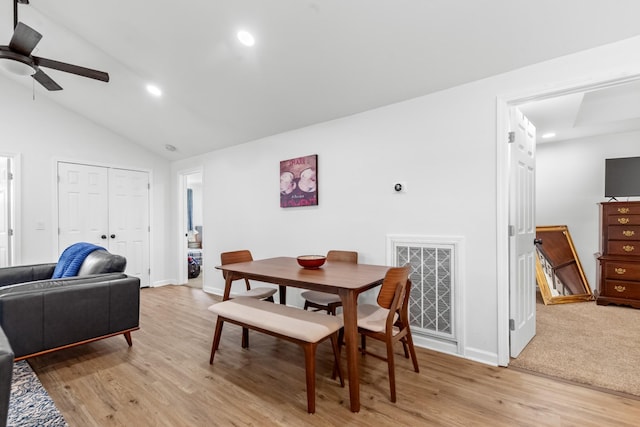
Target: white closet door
129 220
107 207
83 205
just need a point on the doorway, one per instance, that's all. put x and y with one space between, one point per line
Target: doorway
505 105
193 244
7 246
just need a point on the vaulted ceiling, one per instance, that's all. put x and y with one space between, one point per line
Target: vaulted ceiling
312 61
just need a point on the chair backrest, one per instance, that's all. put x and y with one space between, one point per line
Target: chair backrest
234 257
342 256
404 308
395 278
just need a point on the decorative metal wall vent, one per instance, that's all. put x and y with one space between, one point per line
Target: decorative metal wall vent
432 302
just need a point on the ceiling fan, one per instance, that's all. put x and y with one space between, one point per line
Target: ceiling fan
21 61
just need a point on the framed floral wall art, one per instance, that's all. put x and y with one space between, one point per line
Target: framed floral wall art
299 182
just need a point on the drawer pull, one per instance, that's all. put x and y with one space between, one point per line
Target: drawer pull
620 270
620 288
628 248
623 210
623 220
628 233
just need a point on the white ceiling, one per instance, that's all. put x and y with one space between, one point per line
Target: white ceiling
313 61
598 112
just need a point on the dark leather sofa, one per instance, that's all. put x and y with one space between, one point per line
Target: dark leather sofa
6 372
39 315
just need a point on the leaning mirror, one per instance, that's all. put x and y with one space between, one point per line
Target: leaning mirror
558 270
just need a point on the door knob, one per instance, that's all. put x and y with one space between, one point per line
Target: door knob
537 241
104 236
113 236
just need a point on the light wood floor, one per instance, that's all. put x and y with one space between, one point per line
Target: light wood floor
165 380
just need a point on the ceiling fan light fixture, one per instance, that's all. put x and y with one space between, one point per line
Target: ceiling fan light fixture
15 66
246 38
21 61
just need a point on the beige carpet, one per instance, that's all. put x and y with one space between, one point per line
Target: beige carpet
196 282
586 343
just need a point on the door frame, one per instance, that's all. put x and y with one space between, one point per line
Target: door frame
14 213
503 104
55 221
183 274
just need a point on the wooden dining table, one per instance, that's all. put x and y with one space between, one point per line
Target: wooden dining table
342 278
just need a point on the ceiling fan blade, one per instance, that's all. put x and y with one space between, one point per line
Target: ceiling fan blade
24 39
46 81
69 68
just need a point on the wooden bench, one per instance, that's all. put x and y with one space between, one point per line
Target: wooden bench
302 327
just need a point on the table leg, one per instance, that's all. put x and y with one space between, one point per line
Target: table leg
282 296
350 313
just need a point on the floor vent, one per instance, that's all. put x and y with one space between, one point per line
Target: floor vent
433 310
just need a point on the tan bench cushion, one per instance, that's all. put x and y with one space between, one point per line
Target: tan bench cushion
289 321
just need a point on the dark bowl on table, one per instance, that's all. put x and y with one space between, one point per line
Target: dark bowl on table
311 261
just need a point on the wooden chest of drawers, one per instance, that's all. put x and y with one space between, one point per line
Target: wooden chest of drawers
620 261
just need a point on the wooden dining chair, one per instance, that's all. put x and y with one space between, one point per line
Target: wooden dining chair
388 321
325 301
264 293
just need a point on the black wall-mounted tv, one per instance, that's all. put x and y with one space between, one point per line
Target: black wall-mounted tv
622 177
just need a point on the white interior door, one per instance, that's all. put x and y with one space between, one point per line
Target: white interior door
83 205
108 207
5 212
522 278
129 220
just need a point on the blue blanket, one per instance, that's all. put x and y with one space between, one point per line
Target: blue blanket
72 258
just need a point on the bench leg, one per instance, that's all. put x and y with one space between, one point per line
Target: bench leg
310 369
216 338
127 336
245 338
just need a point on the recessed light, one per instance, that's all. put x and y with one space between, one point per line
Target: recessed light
246 38
154 90
548 135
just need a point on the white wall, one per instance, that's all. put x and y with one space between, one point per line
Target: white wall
570 186
42 133
443 145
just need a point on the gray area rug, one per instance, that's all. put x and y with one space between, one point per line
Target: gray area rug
30 404
586 343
